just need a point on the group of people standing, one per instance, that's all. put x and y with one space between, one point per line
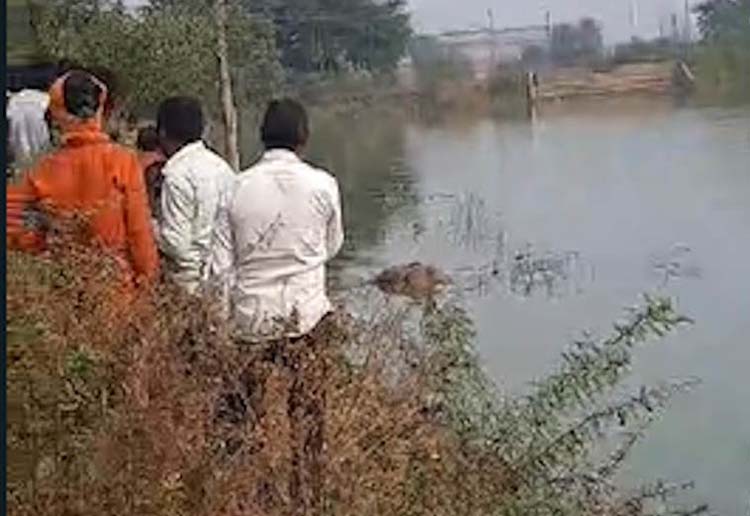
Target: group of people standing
260 239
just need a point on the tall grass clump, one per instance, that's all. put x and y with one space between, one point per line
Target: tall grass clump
723 70
723 56
148 406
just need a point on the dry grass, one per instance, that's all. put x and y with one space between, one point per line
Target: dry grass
115 412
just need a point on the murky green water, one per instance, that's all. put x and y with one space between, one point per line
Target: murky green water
614 199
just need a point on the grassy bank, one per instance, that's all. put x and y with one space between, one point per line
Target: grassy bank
114 411
722 59
723 72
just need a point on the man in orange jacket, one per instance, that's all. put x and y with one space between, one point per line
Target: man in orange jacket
88 175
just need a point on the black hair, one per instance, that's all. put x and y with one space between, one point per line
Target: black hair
34 77
285 125
82 95
180 119
148 139
109 79
41 81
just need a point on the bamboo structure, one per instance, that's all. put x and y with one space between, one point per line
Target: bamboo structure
647 78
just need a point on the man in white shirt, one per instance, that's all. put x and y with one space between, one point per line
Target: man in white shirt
196 181
274 238
28 132
276 235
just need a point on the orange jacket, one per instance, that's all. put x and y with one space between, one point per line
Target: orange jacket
92 176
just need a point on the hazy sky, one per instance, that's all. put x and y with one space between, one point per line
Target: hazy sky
435 15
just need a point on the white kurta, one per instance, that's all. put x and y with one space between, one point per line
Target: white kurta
28 133
196 182
274 238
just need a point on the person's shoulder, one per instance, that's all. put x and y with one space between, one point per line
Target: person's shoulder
122 155
28 98
217 160
121 150
177 166
321 175
211 155
50 163
253 171
247 178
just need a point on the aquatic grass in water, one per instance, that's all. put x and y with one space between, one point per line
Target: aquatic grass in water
488 262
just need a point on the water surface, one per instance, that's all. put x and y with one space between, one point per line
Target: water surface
615 199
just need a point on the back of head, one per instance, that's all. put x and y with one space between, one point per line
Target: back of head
285 125
41 80
82 95
180 120
148 139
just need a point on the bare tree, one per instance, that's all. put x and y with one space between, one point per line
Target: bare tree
229 110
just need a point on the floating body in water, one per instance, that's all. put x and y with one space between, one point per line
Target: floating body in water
415 280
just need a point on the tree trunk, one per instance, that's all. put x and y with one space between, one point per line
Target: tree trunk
231 144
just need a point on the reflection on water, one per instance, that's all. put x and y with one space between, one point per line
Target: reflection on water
521 215
367 156
555 273
678 263
470 225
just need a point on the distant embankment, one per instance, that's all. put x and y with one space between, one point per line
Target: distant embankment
643 78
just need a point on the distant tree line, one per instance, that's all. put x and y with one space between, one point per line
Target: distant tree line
330 35
724 21
233 54
169 45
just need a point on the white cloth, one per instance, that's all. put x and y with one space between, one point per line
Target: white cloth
196 182
274 238
28 133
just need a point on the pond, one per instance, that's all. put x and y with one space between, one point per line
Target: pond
554 227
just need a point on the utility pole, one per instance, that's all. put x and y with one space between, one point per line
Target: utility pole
634 17
688 23
493 45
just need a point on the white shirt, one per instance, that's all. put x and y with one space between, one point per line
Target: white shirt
274 238
196 182
28 133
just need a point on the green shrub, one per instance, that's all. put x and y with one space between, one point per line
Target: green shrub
162 52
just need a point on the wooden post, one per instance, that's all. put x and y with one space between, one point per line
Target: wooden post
532 87
231 144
